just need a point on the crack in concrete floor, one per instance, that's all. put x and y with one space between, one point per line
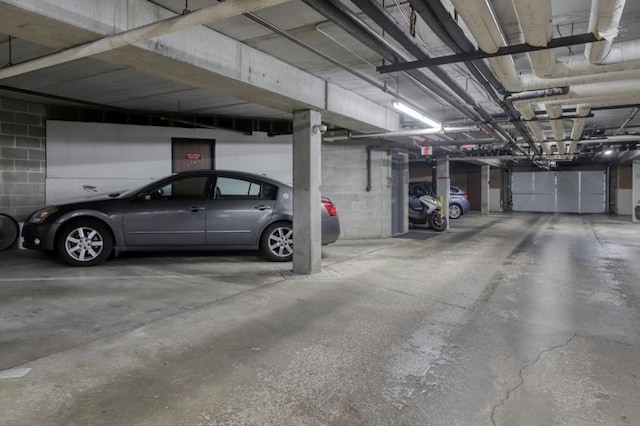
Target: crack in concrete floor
521 381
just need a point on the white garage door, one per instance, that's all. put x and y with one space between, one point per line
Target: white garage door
561 192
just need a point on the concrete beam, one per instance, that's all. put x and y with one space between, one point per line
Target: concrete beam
208 14
197 56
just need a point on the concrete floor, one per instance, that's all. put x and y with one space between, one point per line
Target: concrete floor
508 319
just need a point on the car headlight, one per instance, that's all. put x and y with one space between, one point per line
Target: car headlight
41 215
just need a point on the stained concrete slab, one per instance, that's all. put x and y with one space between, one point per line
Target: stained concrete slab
504 319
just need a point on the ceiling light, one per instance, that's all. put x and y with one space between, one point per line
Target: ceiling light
415 114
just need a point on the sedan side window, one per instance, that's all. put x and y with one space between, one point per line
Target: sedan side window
189 188
241 189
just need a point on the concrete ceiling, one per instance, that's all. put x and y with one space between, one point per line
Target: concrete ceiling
31 29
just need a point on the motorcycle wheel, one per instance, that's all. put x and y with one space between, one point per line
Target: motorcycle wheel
437 222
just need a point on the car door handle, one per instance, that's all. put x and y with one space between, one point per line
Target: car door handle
196 208
262 207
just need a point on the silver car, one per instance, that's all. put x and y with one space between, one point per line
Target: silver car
194 210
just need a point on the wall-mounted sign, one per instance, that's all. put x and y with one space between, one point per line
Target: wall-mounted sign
193 156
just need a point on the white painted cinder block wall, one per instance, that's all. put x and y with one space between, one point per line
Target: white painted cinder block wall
112 157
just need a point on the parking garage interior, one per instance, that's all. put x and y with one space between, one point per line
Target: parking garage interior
525 310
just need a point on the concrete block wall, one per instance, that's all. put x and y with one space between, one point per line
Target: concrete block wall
22 157
363 214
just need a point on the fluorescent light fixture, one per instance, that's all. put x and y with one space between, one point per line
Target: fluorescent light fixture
415 114
608 152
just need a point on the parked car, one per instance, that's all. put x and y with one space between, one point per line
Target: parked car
458 198
194 210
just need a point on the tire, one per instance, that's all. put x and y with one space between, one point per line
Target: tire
437 222
276 243
455 211
9 231
84 242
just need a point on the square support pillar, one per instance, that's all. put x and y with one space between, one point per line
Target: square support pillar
485 173
443 185
635 185
307 223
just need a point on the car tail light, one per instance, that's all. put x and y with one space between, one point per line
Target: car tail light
330 207
465 196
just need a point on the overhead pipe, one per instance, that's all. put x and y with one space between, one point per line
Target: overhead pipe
438 18
557 126
388 24
631 116
342 16
483 25
215 12
363 77
369 149
478 14
611 139
603 22
596 100
535 94
406 133
578 127
534 127
535 18
480 19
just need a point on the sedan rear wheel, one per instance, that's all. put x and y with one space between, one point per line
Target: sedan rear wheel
455 211
277 242
84 243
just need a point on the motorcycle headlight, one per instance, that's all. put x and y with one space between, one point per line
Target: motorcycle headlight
41 215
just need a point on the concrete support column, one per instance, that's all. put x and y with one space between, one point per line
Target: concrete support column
635 185
485 173
307 239
443 185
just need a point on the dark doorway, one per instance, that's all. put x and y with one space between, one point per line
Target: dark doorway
474 189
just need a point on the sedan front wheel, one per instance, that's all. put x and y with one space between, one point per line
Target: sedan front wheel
277 242
84 243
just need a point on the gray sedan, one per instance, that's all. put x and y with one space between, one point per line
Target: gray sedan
194 210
